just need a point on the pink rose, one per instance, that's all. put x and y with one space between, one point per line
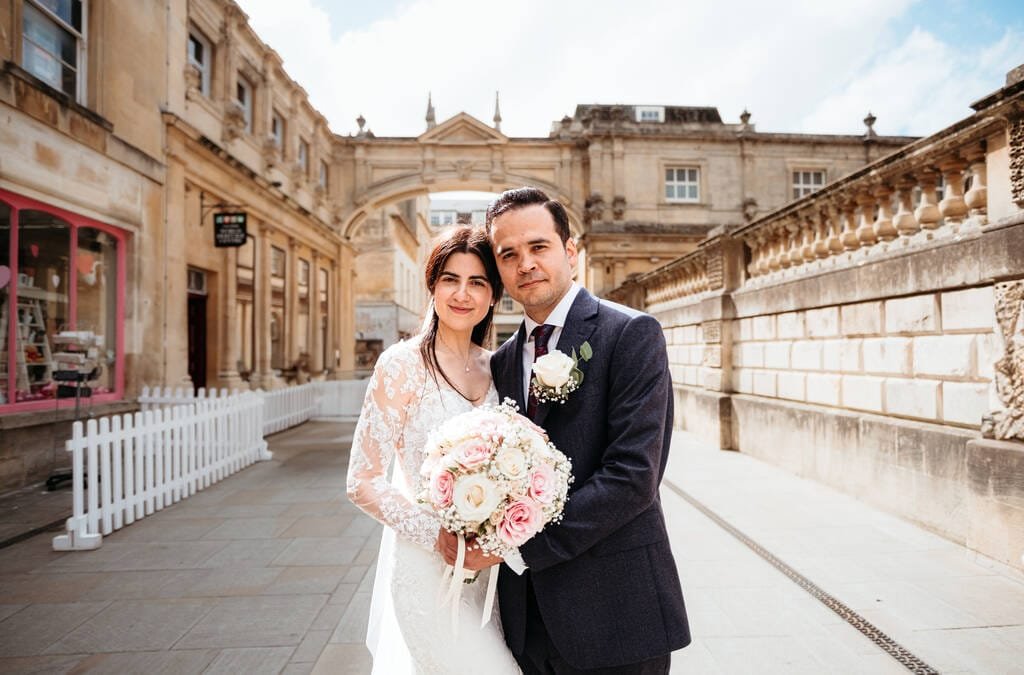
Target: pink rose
472 454
542 484
442 484
522 520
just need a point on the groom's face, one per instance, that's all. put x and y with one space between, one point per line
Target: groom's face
535 266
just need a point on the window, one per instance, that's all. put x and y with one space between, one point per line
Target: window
277 131
507 305
323 175
277 262
243 94
200 56
196 281
478 217
442 218
650 113
682 184
303 272
53 44
304 156
60 301
806 182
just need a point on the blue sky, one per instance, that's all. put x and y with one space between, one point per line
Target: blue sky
803 65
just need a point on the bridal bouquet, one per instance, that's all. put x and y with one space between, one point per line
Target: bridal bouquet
491 476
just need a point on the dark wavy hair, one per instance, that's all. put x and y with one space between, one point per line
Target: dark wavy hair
462 239
517 198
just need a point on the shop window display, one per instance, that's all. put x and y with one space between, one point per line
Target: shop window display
59 299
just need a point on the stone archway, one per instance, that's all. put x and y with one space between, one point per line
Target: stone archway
460 154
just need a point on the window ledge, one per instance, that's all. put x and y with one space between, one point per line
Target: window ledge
60 97
34 418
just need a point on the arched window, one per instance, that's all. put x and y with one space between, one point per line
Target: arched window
61 306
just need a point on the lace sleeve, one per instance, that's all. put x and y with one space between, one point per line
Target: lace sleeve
396 381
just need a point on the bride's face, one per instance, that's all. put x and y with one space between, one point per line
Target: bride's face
462 294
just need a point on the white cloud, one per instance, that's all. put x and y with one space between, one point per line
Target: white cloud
920 86
798 66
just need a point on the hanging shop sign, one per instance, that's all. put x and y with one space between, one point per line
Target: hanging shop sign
229 229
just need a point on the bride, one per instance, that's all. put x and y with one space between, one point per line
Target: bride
416 385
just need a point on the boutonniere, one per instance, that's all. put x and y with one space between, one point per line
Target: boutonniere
556 375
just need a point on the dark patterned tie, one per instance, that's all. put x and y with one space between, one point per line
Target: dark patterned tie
540 334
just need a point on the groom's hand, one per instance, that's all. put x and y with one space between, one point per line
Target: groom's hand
476 559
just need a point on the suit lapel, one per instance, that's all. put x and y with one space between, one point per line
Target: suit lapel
517 364
579 326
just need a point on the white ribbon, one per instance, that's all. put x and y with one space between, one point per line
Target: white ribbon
492 587
454 588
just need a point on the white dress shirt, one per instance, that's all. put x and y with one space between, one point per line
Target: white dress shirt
557 319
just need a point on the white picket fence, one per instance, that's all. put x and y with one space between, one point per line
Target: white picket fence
126 467
339 400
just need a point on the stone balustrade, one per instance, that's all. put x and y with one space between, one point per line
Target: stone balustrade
883 209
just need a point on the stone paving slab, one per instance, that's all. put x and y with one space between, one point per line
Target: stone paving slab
958 612
272 570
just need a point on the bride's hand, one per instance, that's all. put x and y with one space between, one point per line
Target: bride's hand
447 545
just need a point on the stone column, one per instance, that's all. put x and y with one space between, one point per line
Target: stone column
291 310
175 286
333 315
262 376
227 372
316 349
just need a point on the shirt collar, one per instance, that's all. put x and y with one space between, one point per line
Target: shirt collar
559 314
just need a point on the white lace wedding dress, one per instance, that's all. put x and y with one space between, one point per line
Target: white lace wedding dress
408 632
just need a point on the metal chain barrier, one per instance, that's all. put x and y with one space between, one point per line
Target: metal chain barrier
873 633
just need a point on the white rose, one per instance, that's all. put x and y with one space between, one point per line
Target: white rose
511 462
553 369
475 497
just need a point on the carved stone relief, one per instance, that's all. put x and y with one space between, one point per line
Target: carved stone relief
1008 423
1017 161
594 207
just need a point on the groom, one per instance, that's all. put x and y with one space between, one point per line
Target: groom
597 592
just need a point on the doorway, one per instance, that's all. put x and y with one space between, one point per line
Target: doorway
197 340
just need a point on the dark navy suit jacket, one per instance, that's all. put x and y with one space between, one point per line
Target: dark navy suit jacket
604 578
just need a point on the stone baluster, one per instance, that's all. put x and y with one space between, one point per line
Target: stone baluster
821 226
807 234
905 222
833 217
778 239
883 226
792 255
849 237
866 229
763 252
952 207
976 198
927 212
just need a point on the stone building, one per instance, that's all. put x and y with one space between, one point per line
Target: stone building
657 178
870 335
390 296
125 128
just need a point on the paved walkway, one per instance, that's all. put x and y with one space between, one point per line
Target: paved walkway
271 571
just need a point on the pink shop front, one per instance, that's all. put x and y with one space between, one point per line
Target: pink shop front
62 279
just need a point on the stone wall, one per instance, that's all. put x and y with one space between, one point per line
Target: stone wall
866 335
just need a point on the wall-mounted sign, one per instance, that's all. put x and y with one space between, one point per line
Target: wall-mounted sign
229 229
